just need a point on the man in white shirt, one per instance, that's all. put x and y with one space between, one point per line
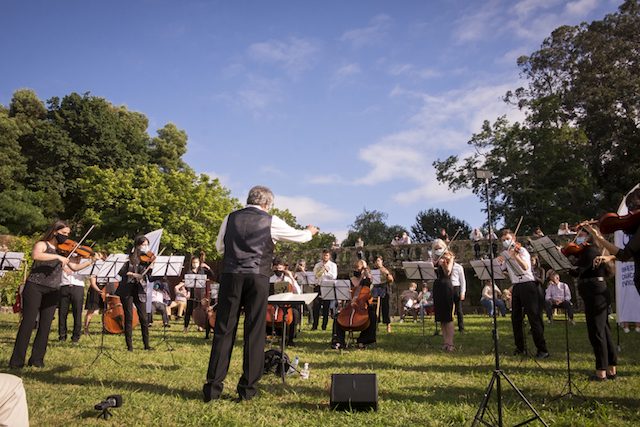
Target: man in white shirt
282 275
324 270
405 240
525 298
246 240
71 293
459 284
558 295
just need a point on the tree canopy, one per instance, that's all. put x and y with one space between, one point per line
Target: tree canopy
429 222
371 227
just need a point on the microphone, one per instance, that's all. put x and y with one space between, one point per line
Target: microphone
113 401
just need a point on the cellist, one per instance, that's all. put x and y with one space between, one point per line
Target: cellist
198 266
360 297
132 291
282 274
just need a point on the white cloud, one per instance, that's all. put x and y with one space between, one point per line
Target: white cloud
258 96
326 179
309 211
272 170
375 32
413 71
580 8
225 179
293 55
347 70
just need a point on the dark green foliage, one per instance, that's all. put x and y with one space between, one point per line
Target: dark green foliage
370 226
429 222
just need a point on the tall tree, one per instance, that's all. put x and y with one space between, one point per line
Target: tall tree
371 227
168 147
429 222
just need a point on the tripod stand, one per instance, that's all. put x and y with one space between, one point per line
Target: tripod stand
526 354
498 374
101 349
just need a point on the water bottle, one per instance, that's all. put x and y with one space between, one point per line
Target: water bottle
305 372
294 366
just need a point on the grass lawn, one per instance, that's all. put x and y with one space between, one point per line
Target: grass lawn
418 384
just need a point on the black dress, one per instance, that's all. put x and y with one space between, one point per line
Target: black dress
443 297
94 300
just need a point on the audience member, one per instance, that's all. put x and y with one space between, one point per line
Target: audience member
558 295
476 236
410 302
487 299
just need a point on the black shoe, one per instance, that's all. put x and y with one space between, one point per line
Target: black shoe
612 377
129 348
166 325
62 338
518 352
542 355
314 329
240 400
37 364
597 378
207 393
148 348
15 366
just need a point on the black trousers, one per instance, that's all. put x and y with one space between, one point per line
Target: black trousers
596 302
457 304
238 290
367 336
36 299
319 304
566 305
127 306
384 309
188 312
74 296
526 300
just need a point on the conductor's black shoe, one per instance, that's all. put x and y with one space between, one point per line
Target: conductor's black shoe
597 378
612 377
37 364
207 393
542 355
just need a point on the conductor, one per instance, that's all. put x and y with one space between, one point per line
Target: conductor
246 239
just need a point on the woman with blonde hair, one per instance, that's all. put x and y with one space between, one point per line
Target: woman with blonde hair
443 260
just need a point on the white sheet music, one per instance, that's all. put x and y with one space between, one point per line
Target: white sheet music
335 290
195 281
170 266
419 270
548 250
482 269
294 298
91 270
112 266
11 260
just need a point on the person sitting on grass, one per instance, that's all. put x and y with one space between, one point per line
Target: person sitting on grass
487 299
410 302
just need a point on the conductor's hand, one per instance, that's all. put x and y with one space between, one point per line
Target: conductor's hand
313 229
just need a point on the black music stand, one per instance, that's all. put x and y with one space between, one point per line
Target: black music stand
307 281
497 373
423 271
283 301
10 261
167 266
335 290
108 271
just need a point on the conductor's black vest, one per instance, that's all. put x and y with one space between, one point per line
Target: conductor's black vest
248 246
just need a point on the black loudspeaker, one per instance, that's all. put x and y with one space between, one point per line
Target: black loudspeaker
358 392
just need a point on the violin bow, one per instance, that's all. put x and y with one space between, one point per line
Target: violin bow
80 241
447 245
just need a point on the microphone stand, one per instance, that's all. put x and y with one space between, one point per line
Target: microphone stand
101 349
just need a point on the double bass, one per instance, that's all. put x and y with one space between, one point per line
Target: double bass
355 316
113 315
204 313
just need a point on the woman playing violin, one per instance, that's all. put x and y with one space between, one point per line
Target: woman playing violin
443 291
360 300
595 294
41 294
632 249
132 290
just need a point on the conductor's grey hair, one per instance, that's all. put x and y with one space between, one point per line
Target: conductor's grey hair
261 196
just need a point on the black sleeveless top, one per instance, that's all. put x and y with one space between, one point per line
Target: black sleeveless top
47 273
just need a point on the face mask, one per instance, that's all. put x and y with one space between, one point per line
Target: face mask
278 273
357 273
581 240
144 249
506 243
439 252
195 266
61 238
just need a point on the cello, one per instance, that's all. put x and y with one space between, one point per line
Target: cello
355 316
114 313
205 313
275 314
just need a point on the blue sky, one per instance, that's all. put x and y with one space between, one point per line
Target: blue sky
336 105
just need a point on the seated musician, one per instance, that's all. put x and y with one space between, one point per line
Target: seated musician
557 295
282 275
159 297
410 302
360 298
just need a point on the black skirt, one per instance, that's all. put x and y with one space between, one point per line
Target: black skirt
443 300
93 301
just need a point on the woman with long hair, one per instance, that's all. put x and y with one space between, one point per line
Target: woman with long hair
443 291
41 294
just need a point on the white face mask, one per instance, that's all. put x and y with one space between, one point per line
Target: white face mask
439 252
506 243
144 249
581 240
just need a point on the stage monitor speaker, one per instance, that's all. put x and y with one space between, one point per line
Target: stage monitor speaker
357 392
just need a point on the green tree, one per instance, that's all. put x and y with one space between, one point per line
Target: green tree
371 227
320 241
168 147
429 222
12 163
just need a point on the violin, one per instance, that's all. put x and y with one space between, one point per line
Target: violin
275 313
205 313
70 247
612 222
574 249
148 257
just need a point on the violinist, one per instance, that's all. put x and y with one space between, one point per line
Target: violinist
132 291
196 295
281 274
361 299
525 296
631 251
94 301
41 295
443 295
593 289
383 290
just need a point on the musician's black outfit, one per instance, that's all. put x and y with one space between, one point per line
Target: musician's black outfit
595 294
383 290
367 336
196 295
632 252
132 292
443 296
246 239
40 297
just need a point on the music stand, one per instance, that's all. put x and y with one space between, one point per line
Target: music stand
167 266
423 271
11 260
307 281
335 290
284 300
108 272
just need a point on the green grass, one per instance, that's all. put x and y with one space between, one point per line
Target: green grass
418 384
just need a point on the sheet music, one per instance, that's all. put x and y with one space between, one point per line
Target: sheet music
482 268
214 290
551 254
292 298
11 260
170 266
281 287
112 266
419 270
197 281
342 290
91 270
514 267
